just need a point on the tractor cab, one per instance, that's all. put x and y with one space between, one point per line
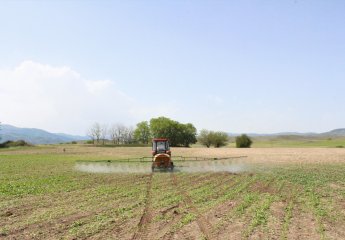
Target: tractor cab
160 145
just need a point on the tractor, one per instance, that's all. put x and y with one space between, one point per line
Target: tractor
161 154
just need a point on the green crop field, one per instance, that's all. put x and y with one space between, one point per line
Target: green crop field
302 143
279 194
294 142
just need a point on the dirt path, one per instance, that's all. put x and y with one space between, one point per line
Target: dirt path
204 226
146 218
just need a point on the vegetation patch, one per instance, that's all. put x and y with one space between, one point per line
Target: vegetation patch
19 143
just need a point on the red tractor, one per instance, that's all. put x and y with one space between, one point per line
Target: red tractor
161 154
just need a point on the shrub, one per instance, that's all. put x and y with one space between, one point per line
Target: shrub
208 138
219 139
18 143
243 141
74 142
204 138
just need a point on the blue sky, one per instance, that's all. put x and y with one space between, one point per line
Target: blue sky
235 66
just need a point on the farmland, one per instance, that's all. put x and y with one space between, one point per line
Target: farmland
282 193
292 141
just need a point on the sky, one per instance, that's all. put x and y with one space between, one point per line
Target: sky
234 66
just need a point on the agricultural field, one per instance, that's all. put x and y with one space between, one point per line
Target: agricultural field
300 142
270 193
292 141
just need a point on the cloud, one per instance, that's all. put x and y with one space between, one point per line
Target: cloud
97 87
60 99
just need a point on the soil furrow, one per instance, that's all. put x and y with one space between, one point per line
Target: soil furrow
146 218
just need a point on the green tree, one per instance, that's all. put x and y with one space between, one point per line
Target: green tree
243 141
209 138
219 139
187 134
142 132
204 138
177 133
163 127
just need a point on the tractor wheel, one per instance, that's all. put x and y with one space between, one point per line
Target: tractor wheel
172 166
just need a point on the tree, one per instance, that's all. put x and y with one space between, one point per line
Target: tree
120 134
104 133
219 139
209 138
128 135
177 133
187 134
204 138
163 127
113 133
95 132
243 141
116 133
142 132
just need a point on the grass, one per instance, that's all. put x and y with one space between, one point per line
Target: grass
287 219
42 196
300 143
292 141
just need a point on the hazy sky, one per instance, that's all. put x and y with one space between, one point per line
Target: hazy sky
236 66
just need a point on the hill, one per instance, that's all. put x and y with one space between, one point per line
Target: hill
334 138
340 132
35 136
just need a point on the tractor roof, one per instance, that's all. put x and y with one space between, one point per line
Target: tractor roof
159 139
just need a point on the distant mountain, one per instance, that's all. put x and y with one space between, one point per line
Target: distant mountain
35 136
340 132
334 133
274 134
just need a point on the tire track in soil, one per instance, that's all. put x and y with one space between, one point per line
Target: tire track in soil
146 218
163 232
226 215
204 226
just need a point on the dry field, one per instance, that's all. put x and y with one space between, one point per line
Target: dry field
283 194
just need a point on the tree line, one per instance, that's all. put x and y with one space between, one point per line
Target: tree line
179 134
116 134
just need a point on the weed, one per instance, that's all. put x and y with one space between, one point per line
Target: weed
188 218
